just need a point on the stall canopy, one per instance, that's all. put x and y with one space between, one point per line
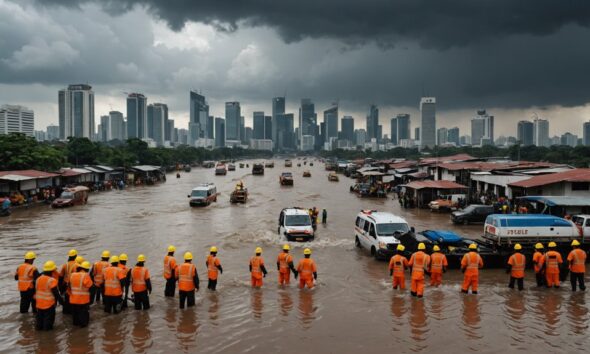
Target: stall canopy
442 184
558 200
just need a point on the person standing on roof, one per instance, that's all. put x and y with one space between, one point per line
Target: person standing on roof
46 297
141 284
577 265
538 265
551 263
213 268
307 270
516 265
169 270
257 269
419 263
285 266
438 266
470 266
188 281
97 276
397 267
26 274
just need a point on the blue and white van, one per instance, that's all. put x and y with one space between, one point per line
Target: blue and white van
507 229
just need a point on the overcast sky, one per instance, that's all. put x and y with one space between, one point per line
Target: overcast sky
512 57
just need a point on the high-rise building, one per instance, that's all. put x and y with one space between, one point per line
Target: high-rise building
233 118
441 136
52 132
137 116
76 112
16 119
453 136
372 123
104 129
285 131
482 127
360 137
157 117
268 127
417 133
248 135
307 122
219 132
243 130
347 128
569 139
116 126
278 107
210 127
331 120
393 129
525 133
183 136
199 115
465 140
174 131
258 121
428 122
40 135
541 132
586 134
400 128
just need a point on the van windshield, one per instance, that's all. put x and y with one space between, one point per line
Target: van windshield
392 228
67 195
297 220
199 194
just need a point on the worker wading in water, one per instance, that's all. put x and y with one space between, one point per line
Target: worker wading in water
307 270
516 265
419 263
285 266
397 267
257 269
470 266
213 268
188 281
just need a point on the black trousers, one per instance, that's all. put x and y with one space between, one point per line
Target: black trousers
111 303
66 307
80 314
519 281
212 284
170 287
540 279
27 299
579 279
142 300
95 293
189 296
45 319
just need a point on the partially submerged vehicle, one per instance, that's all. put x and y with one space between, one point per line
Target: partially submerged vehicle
295 224
203 195
257 169
454 247
446 202
286 179
379 232
239 194
187 168
208 164
220 170
306 174
269 164
231 167
333 177
71 196
474 213
241 165
288 163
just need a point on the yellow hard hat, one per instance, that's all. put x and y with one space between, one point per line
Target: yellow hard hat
575 243
436 248
539 246
72 253
421 246
85 265
79 259
141 258
213 249
105 254
401 248
286 248
552 245
517 247
307 251
473 246
258 250
188 256
30 255
114 259
49 266
171 248
123 257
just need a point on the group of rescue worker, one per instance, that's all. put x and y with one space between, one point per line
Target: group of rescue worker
78 284
546 266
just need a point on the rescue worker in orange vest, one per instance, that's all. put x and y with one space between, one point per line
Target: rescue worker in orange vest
188 281
516 265
285 266
169 271
306 270
257 269
538 265
397 267
213 268
123 258
438 266
141 284
46 297
551 263
80 284
26 274
577 265
112 288
64 278
96 275
419 263
470 266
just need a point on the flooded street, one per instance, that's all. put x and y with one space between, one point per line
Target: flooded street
353 309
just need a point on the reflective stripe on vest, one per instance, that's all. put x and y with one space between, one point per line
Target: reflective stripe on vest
25 278
114 283
79 288
436 262
577 260
211 264
141 279
44 293
398 264
255 263
472 265
518 266
97 271
167 269
186 277
283 263
307 267
551 261
419 267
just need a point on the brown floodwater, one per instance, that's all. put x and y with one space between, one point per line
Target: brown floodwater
353 309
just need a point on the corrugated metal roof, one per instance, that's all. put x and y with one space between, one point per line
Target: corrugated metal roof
15 178
442 184
458 157
29 173
575 175
493 166
146 168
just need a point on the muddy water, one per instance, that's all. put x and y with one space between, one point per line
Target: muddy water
353 309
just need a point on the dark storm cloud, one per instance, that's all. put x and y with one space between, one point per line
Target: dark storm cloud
432 23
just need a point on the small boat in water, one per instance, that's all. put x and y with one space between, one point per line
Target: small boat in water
333 177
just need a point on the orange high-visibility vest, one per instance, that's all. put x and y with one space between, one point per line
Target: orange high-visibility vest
419 262
25 274
538 261
67 269
138 277
306 268
437 262
518 262
212 270
398 264
44 298
284 259
97 272
112 281
577 259
471 262
186 273
552 261
256 263
169 266
80 284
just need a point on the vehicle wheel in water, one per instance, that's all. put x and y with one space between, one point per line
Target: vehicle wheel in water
357 242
